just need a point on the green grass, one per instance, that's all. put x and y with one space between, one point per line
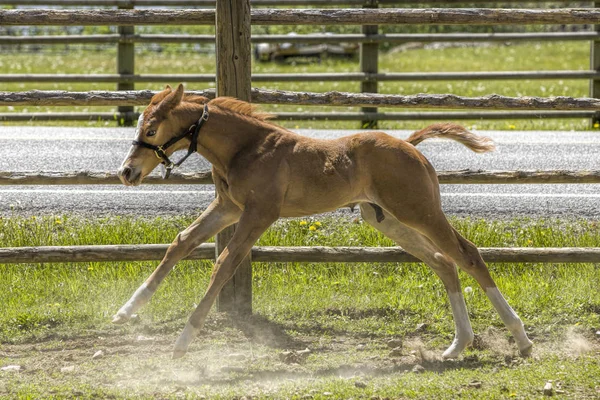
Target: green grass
59 314
534 56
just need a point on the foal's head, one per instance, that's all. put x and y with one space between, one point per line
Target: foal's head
163 120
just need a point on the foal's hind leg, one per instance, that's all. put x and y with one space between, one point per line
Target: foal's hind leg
474 265
220 214
421 247
436 227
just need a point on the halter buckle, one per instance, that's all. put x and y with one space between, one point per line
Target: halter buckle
166 170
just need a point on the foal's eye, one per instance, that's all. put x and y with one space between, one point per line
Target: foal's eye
151 133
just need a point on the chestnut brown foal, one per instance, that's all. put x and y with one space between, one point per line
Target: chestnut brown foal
263 172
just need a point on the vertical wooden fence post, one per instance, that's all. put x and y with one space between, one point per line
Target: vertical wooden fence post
125 65
233 54
595 66
369 64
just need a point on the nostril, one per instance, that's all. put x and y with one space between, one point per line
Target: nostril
125 172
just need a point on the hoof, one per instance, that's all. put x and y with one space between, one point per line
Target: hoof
450 354
178 354
184 340
527 350
456 348
120 319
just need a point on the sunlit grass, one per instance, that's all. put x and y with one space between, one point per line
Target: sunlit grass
38 299
517 57
54 306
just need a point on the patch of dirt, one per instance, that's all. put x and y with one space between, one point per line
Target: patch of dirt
253 356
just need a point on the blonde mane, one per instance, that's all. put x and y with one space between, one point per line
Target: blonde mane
240 107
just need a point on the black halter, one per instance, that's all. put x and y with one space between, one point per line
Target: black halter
160 153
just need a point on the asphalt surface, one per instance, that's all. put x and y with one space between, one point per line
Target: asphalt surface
103 149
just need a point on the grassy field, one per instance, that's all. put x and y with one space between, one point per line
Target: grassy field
538 56
56 316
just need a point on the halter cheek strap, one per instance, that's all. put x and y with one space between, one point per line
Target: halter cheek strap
160 151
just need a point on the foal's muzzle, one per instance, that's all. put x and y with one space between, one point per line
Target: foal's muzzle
128 176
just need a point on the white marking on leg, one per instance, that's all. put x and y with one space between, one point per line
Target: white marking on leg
139 298
510 319
464 333
184 340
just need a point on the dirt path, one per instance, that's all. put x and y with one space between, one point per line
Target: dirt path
259 359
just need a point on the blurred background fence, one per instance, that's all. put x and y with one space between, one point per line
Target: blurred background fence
274 42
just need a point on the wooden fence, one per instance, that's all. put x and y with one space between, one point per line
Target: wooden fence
235 48
370 16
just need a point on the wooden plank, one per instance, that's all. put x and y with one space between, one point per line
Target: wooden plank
595 66
426 37
462 177
96 253
273 16
92 98
59 39
264 96
425 16
325 116
425 115
435 101
522 177
368 79
314 254
309 38
234 59
207 3
317 254
125 66
43 17
185 3
97 178
369 66
68 116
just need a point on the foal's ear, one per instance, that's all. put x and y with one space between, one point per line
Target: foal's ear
170 101
158 97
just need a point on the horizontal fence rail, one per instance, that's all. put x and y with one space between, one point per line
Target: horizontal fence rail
418 116
426 37
264 96
309 77
385 16
211 3
317 116
462 177
314 254
309 38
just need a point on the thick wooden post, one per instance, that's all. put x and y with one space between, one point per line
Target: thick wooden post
369 64
595 66
125 65
233 53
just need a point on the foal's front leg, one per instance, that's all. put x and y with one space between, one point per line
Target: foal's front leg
220 214
253 223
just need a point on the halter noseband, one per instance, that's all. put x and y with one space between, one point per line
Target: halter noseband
159 151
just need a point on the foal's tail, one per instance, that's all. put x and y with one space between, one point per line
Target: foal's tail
479 144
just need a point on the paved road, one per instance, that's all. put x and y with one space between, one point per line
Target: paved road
102 149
